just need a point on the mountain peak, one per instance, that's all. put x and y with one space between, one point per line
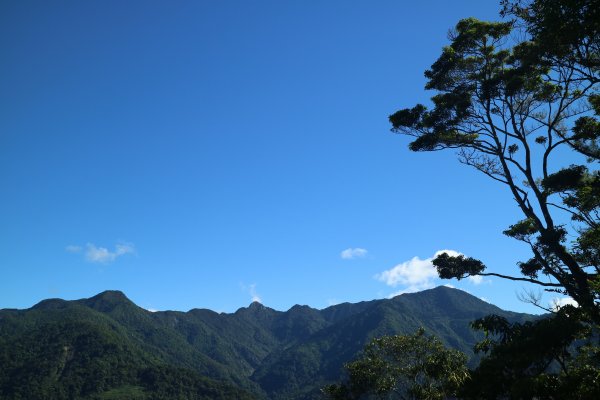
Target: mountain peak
50 304
256 309
297 307
106 301
112 294
256 305
444 301
437 291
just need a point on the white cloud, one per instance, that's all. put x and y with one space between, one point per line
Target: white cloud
452 253
124 248
559 302
475 279
415 274
254 294
73 249
351 253
251 290
102 255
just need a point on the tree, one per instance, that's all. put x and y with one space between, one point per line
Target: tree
546 358
564 31
508 107
403 367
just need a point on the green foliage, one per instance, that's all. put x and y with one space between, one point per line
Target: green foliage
443 312
509 97
167 382
542 358
409 366
107 347
124 392
68 350
522 230
583 378
493 92
565 31
457 267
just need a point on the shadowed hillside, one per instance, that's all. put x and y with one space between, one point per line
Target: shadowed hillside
107 347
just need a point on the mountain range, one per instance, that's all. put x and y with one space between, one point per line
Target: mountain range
106 347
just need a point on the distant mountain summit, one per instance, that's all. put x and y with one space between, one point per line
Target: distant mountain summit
108 301
107 346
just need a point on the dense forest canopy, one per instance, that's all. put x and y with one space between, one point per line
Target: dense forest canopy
107 347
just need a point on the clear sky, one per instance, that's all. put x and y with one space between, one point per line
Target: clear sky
207 153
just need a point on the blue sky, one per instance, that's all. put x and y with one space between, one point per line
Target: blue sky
207 153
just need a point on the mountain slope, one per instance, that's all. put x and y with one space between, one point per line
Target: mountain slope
107 346
67 350
298 371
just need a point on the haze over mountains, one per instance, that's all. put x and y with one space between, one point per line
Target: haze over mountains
107 347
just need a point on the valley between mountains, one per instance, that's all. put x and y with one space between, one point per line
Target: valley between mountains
106 347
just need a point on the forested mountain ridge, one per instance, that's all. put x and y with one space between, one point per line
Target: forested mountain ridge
108 347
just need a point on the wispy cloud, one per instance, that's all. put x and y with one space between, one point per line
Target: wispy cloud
254 294
102 255
73 249
351 253
475 279
415 274
251 290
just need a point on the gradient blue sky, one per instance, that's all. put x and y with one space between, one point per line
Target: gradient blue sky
204 153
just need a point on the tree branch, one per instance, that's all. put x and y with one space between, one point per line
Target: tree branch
514 278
